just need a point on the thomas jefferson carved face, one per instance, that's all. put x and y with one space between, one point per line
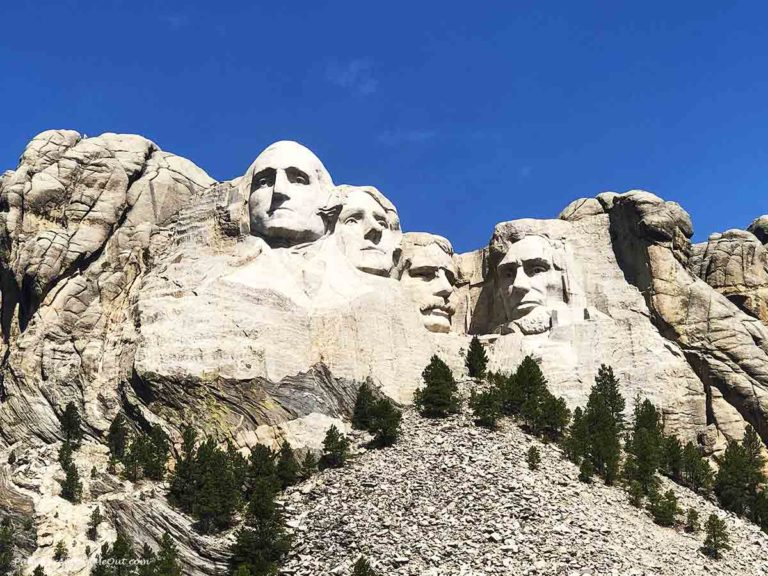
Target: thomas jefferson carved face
368 229
289 187
429 277
530 283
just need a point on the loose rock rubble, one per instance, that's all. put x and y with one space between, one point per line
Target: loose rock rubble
453 498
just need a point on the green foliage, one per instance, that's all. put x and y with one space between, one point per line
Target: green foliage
93 524
644 446
60 553
65 455
242 570
672 458
486 407
117 437
120 559
604 420
71 487
262 542
740 474
335 449
166 562
607 387
385 423
261 465
308 465
38 571
363 568
476 360
364 404
438 398
692 520
12 457
6 547
586 471
135 456
287 468
576 442
115 560
717 539
696 473
636 493
533 458
70 424
207 482
157 454
663 508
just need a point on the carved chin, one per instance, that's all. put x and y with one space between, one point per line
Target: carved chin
436 321
537 321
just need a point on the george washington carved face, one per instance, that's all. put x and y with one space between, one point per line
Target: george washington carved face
289 187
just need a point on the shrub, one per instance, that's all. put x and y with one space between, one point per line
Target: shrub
385 423
663 508
70 424
586 470
60 553
335 448
71 487
717 539
363 568
692 520
287 469
476 360
533 458
486 407
117 437
438 398
93 524
308 465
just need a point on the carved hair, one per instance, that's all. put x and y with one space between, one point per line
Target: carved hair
415 240
393 220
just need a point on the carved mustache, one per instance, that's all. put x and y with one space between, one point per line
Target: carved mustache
438 305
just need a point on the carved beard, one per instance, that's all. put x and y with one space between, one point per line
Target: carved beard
537 321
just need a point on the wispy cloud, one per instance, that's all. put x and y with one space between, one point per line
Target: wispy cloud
395 137
176 21
355 75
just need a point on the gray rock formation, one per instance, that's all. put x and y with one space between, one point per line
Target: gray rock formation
131 282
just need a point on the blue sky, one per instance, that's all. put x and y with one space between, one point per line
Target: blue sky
463 114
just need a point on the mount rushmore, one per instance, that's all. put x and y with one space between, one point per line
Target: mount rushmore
130 281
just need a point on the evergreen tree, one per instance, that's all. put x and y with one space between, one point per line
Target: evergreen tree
242 570
586 470
287 469
385 423
135 457
363 568
115 560
167 558
38 571
696 473
476 360
636 493
511 395
604 421
261 465
93 524
486 407
156 455
663 508
717 540
60 553
335 448
72 488
65 455
262 542
308 465
739 476
533 458
576 442
607 387
70 424
672 458
117 437
364 405
644 445
438 397
148 561
532 386
556 416
6 547
692 521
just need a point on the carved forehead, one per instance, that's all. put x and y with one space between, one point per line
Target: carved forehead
352 197
431 256
289 154
529 248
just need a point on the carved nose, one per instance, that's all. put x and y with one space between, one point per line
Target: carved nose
522 282
373 233
279 189
442 285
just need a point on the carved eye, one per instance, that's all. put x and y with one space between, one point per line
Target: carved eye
351 220
382 222
263 181
538 270
301 179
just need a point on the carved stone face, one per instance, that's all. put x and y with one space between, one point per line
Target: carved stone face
368 233
429 279
530 283
289 187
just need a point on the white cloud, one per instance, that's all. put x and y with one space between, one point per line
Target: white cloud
355 75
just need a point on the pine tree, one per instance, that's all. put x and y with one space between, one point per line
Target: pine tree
335 448
644 445
65 455
70 425
115 560
6 547
262 542
717 540
576 442
385 423
38 571
167 559
93 524
287 469
135 457
156 454
486 407
511 395
696 473
261 465
60 553
438 398
636 493
148 561
663 508
533 458
604 421
363 568
555 418
308 465
672 458
117 437
692 521
737 479
607 386
72 488
586 471
364 405
476 360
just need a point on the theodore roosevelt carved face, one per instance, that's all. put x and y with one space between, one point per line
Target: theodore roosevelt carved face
289 188
428 275
368 229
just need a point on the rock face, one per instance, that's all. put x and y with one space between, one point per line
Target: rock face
131 282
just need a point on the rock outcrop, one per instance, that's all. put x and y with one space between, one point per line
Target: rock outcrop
131 282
